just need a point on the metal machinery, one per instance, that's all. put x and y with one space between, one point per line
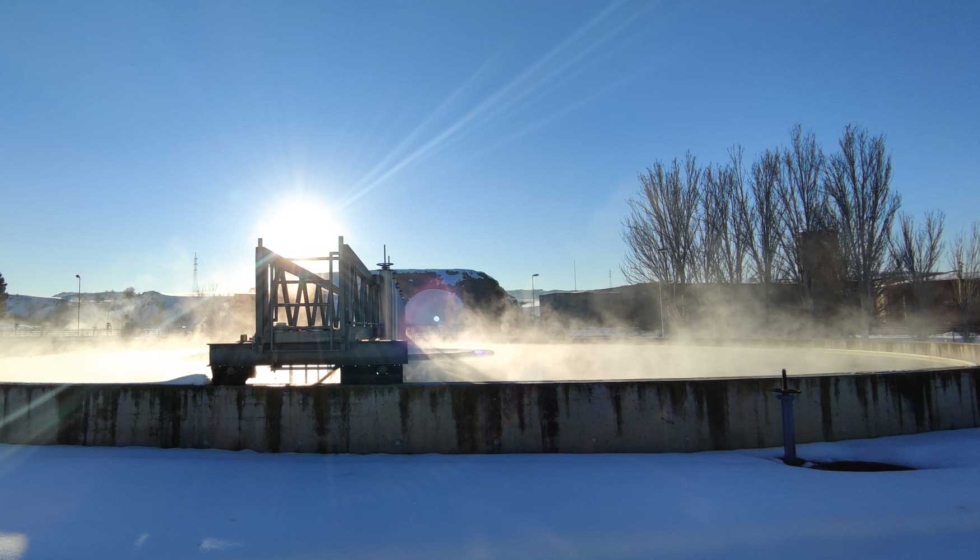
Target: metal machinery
347 318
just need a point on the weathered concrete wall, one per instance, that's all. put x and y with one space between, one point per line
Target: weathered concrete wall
586 417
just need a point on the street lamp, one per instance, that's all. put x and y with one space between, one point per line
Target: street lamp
78 323
663 330
663 333
532 293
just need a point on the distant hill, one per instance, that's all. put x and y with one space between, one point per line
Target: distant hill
148 310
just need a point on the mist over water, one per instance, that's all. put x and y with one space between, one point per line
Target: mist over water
185 361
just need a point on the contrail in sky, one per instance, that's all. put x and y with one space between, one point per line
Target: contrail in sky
528 82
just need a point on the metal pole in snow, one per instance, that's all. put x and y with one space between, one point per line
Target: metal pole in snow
786 397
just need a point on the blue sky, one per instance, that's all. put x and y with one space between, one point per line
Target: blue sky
500 136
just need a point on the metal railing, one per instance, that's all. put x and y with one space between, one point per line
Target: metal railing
334 308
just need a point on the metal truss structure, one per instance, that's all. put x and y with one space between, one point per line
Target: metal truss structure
347 317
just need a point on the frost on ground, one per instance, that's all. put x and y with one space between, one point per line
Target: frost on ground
65 502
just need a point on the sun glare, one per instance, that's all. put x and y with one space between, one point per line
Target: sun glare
300 227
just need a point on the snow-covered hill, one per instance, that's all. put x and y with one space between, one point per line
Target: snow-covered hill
148 310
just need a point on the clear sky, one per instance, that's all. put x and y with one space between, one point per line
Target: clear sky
500 136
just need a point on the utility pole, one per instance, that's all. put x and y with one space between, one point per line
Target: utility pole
78 323
663 333
610 278
660 283
195 289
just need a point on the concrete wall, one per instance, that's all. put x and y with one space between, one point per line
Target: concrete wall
587 417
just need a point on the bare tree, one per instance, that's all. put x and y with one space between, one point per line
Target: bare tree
724 239
804 204
915 254
661 231
858 182
715 225
767 233
965 262
736 252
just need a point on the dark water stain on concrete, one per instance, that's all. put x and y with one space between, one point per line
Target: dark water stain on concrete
494 431
616 395
548 417
240 405
107 409
641 395
86 409
518 393
861 391
345 398
273 418
169 416
826 409
465 409
678 391
975 379
405 395
321 416
69 401
5 424
712 400
434 402
568 405
916 390
137 400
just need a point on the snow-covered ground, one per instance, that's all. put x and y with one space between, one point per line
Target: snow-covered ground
63 502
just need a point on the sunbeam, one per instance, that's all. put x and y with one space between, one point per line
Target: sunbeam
525 84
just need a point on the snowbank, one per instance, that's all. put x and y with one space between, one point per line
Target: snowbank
62 502
448 276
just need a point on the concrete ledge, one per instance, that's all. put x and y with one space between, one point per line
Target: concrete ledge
577 417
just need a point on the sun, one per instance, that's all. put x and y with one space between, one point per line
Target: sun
300 227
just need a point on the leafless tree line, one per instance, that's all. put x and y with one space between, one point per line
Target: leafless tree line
964 259
693 223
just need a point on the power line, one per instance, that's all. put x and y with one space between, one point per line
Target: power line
196 290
